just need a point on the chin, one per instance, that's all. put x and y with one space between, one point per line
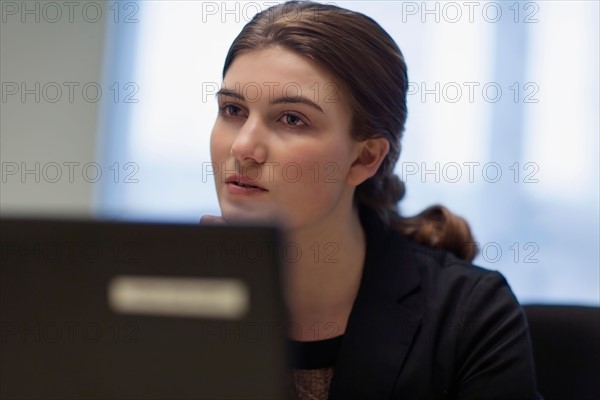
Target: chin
235 215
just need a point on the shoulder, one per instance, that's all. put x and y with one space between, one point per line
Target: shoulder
470 324
438 267
471 316
401 265
397 267
450 291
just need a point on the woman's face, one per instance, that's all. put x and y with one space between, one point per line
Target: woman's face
281 144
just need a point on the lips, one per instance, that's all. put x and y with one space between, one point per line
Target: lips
244 182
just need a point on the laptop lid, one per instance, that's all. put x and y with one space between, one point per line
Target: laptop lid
140 311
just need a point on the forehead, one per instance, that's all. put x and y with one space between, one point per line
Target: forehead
280 71
277 61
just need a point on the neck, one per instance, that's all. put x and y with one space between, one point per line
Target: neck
322 282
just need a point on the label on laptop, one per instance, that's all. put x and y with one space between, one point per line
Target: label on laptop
219 298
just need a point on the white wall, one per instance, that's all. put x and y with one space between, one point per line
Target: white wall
59 48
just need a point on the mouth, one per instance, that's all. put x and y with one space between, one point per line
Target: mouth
244 183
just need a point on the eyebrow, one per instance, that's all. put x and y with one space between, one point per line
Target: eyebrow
230 93
281 100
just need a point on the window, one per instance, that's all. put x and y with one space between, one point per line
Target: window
503 125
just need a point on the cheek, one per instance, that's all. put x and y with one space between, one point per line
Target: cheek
325 166
220 144
220 147
307 198
315 176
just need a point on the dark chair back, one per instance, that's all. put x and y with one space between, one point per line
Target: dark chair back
566 348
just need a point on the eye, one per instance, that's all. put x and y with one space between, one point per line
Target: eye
293 120
229 110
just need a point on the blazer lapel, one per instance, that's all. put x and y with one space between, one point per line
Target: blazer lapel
385 318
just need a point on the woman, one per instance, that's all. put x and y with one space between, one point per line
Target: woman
311 112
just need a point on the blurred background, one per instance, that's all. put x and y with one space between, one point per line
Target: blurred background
107 109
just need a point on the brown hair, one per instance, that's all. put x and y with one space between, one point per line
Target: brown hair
372 73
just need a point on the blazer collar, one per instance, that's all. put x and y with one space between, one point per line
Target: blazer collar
384 319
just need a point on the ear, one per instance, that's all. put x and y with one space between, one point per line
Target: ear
371 154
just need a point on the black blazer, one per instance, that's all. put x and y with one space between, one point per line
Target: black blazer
427 325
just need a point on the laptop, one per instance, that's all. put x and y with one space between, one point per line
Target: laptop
112 310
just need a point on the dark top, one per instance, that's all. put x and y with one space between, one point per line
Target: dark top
314 354
312 367
427 325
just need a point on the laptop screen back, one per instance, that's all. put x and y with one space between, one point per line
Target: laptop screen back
132 310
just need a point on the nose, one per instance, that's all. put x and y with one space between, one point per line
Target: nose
249 146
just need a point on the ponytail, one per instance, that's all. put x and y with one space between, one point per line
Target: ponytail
435 227
438 228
